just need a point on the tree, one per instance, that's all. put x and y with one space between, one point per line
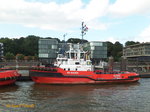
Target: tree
20 56
8 45
109 48
30 45
9 56
76 40
117 51
131 43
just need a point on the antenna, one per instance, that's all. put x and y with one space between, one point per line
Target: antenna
63 48
64 36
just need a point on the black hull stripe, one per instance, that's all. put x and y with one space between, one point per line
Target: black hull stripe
8 78
59 75
45 74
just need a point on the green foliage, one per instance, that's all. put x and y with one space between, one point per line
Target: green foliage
109 49
9 56
53 38
20 56
26 46
117 51
8 45
131 43
76 40
114 50
30 45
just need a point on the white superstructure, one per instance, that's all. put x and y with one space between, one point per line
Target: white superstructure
74 59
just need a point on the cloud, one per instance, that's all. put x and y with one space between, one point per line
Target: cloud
128 7
112 39
96 25
53 16
144 36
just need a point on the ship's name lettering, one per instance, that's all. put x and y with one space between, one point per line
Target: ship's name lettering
72 72
78 66
117 76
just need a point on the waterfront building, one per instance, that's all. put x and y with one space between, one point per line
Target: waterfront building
137 57
97 49
1 51
48 49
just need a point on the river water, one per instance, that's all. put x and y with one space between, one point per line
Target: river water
31 97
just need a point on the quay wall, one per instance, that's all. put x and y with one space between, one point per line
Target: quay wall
24 66
21 65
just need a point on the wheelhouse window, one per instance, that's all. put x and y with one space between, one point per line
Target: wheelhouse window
68 55
82 55
77 63
72 55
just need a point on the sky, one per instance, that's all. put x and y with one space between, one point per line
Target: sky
107 20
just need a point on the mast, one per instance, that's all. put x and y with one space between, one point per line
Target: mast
62 51
84 29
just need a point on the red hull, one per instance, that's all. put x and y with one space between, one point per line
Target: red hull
46 80
61 76
8 76
7 82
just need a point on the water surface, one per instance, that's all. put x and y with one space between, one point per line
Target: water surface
31 97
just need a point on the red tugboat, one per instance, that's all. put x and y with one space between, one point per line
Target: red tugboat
8 76
72 68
